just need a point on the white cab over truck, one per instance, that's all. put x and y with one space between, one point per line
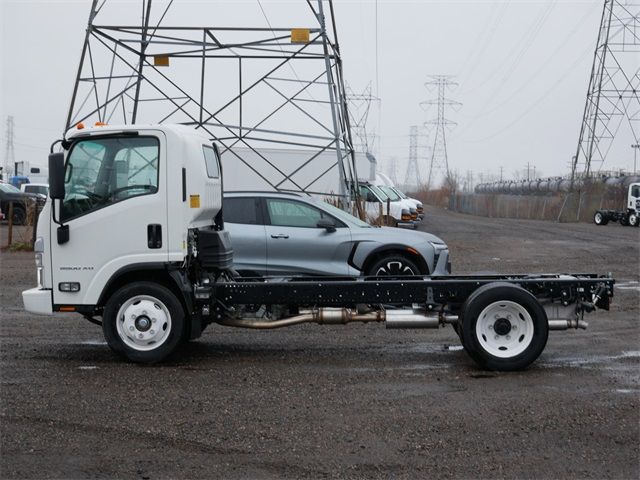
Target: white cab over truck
630 216
132 238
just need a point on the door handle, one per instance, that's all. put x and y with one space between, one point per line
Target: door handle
280 235
154 235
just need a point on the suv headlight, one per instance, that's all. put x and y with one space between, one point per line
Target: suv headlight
438 248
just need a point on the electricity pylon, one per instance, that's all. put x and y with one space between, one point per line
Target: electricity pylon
613 100
439 162
412 177
251 88
359 107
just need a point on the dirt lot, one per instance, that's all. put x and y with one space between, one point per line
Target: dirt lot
353 401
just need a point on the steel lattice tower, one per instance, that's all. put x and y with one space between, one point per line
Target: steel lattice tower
251 88
412 176
359 108
9 152
613 100
439 162
392 170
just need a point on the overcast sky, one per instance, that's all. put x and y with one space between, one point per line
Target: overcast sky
522 67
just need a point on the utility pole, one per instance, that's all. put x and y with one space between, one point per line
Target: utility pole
613 95
635 147
412 177
9 166
501 170
439 162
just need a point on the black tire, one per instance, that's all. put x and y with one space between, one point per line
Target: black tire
634 220
19 216
393 265
600 218
624 221
165 305
499 301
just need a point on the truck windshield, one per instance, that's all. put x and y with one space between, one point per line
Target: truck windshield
393 196
400 193
381 195
103 171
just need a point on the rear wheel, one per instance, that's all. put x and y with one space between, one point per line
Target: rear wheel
393 266
143 322
600 219
504 327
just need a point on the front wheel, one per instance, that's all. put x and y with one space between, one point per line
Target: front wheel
393 266
634 220
504 327
143 322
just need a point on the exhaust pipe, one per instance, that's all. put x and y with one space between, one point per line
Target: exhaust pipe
566 324
341 316
411 319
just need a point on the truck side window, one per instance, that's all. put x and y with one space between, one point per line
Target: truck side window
241 210
211 161
104 171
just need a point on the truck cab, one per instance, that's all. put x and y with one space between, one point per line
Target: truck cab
400 213
146 190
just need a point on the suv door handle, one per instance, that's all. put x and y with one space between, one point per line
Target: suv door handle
280 235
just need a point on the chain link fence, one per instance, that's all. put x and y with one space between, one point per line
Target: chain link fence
18 229
560 207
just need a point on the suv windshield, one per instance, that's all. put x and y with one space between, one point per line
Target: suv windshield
103 171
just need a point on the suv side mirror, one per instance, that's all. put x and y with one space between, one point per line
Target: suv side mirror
327 224
56 176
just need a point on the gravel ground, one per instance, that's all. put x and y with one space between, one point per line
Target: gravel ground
353 401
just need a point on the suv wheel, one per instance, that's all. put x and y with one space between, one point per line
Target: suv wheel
393 266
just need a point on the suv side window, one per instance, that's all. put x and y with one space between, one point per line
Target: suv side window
241 210
290 213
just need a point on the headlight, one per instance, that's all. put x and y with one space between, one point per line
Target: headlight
438 248
38 247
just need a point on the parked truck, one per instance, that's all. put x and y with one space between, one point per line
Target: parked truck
630 216
133 239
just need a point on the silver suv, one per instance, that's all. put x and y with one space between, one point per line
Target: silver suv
280 234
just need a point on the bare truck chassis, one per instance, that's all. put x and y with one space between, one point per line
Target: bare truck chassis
502 320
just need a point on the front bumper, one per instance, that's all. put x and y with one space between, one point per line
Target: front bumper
38 301
407 224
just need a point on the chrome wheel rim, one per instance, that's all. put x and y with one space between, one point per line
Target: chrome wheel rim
143 323
504 329
393 268
598 218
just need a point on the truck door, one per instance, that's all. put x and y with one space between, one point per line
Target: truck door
296 245
115 207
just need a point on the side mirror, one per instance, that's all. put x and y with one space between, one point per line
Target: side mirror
327 224
56 176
